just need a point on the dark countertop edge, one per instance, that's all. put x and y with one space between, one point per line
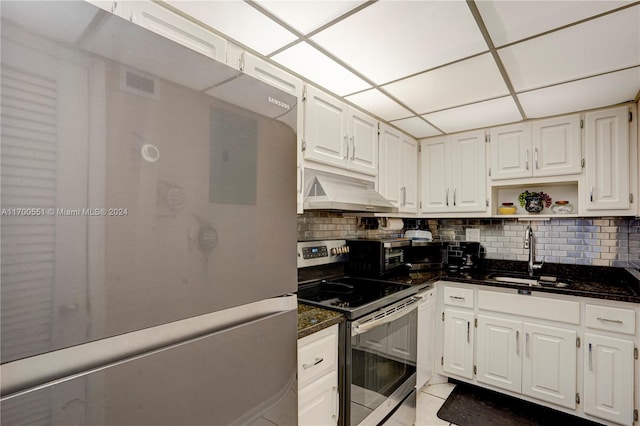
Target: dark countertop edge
325 318
566 292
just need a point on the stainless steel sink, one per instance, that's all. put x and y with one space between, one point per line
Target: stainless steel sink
543 281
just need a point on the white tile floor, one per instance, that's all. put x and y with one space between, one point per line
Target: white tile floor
429 400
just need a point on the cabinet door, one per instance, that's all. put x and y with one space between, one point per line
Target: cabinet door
549 364
363 141
318 402
425 354
499 352
511 152
468 166
325 132
607 159
168 24
557 146
434 175
608 378
409 175
458 343
391 158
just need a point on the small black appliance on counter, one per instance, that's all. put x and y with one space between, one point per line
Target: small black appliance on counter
376 257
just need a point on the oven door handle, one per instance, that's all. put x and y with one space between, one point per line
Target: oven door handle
359 328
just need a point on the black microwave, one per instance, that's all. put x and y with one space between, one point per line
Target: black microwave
377 257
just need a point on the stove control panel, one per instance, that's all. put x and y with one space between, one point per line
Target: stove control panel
312 253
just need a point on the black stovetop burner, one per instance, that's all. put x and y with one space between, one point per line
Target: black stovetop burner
352 295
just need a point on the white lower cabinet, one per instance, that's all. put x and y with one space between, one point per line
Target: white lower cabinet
608 378
318 399
457 349
564 352
499 352
549 364
532 359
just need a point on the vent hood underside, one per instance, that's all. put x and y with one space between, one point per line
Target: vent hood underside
326 191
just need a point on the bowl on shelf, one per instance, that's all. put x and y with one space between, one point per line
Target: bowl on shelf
562 207
507 208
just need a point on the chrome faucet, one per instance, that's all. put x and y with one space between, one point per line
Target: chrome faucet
530 243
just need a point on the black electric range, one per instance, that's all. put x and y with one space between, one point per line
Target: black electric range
352 296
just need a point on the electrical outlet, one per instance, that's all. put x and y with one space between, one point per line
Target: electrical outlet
473 234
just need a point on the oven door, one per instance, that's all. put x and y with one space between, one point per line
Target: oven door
382 356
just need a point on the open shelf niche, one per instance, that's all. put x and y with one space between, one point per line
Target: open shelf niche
557 191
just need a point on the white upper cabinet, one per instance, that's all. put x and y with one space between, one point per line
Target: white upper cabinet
557 146
338 135
168 24
547 147
453 173
398 178
608 159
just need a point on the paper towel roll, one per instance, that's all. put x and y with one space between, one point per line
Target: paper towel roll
395 224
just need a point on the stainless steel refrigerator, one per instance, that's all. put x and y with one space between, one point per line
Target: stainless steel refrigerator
148 229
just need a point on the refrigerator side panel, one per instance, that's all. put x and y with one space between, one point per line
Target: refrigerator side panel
244 375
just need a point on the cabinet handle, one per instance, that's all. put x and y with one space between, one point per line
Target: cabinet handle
315 362
301 177
536 157
404 195
526 344
336 402
517 342
526 158
468 332
454 196
456 297
590 358
447 196
353 143
617 321
346 142
591 194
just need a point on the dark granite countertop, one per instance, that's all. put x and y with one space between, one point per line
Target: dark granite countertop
312 319
620 284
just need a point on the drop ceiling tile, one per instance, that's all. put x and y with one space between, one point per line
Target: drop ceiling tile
595 92
605 44
392 39
306 16
416 127
509 21
318 68
464 82
474 116
378 103
238 20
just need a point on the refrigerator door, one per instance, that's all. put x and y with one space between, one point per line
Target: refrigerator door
244 374
137 189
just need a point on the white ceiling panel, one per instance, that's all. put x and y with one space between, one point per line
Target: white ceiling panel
595 92
510 21
306 16
239 21
605 44
379 104
318 68
461 83
416 127
391 39
481 114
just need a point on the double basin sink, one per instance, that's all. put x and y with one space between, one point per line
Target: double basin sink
527 281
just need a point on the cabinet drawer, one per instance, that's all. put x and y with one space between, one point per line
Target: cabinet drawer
611 319
456 296
317 355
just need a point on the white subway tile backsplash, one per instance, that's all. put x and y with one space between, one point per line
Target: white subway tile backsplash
600 241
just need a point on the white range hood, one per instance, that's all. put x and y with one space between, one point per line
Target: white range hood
326 191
